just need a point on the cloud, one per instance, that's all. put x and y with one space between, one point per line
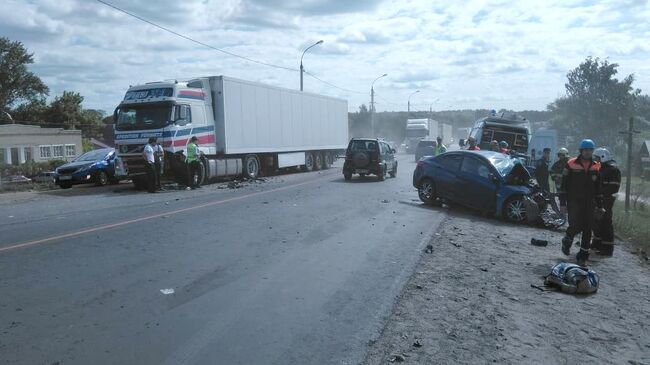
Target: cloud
472 54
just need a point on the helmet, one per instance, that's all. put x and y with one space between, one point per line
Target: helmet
587 144
563 151
503 144
603 154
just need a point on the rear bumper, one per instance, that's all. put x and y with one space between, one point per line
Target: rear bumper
370 169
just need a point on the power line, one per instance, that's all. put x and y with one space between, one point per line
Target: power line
332 85
221 50
194 40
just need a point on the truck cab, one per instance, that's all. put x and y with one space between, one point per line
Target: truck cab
172 112
513 130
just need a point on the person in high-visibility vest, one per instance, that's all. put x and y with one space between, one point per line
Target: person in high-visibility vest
193 164
440 148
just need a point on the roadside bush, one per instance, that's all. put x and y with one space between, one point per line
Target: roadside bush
633 227
31 168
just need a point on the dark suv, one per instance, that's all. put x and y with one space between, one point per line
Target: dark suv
366 156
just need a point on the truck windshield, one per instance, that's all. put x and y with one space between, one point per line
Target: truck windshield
144 116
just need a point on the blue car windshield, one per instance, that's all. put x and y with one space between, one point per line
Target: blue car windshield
503 164
92 156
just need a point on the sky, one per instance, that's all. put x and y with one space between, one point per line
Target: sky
458 54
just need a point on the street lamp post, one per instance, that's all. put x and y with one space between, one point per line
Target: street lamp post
372 104
409 102
302 69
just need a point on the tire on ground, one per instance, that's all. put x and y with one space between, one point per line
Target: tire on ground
393 171
514 209
318 161
427 191
251 168
327 160
309 162
101 178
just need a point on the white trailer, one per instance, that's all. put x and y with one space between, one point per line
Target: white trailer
419 130
243 128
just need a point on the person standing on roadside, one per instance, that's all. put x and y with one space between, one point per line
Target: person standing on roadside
471 141
494 146
159 158
193 164
542 170
556 174
582 187
148 155
440 148
603 241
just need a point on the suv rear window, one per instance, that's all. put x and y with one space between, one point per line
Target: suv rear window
360 145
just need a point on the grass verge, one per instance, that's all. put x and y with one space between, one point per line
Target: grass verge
633 227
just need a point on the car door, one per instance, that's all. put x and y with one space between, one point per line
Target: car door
475 181
445 175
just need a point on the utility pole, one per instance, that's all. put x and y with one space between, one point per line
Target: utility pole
372 104
628 181
372 110
302 68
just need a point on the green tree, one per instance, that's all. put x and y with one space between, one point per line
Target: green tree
17 84
32 112
596 105
66 112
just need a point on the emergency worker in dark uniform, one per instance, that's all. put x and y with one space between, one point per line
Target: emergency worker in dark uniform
581 186
610 176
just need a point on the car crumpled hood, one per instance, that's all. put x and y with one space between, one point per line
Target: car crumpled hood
519 172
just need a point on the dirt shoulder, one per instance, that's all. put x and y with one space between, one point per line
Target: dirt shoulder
470 301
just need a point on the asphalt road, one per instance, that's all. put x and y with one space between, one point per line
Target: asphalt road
303 268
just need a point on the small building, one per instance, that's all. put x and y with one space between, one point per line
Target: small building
20 143
644 159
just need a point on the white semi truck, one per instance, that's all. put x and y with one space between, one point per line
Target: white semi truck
419 130
243 128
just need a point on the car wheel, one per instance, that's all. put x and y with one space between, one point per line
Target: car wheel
427 191
393 172
382 174
101 178
514 210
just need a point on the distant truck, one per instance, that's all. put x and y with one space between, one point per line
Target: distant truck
243 128
419 130
512 129
445 132
543 138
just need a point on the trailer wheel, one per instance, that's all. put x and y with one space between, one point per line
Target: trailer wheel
327 160
318 161
309 162
251 167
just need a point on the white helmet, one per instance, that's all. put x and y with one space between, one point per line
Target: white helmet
603 154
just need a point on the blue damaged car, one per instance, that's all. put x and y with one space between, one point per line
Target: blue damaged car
483 180
97 166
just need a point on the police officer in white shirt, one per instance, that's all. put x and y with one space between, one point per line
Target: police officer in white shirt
148 153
